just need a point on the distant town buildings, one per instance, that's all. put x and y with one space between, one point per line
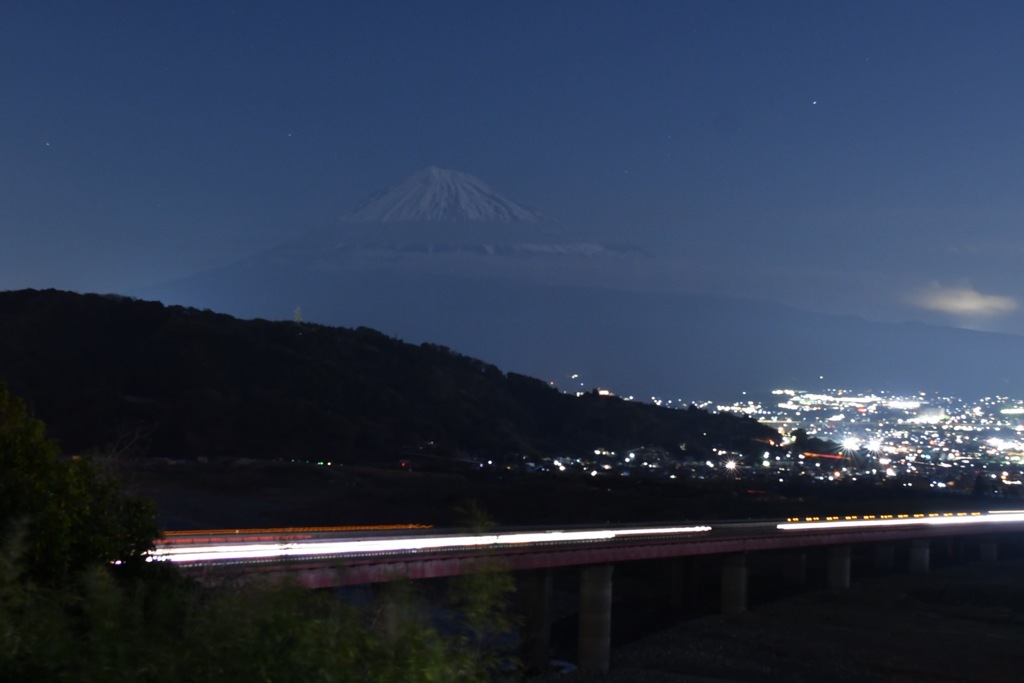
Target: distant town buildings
839 436
922 440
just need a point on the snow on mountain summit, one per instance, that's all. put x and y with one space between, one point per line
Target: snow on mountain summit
437 194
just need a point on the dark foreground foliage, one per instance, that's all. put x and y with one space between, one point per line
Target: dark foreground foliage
104 630
78 601
65 512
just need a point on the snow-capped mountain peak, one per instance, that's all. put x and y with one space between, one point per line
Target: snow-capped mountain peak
437 194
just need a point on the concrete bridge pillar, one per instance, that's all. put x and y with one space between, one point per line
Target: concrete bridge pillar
839 568
989 550
954 549
595 618
684 579
920 554
885 557
535 590
794 568
734 583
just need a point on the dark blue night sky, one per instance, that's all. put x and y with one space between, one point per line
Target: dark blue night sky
848 157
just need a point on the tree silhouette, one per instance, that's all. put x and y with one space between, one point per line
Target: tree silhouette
68 513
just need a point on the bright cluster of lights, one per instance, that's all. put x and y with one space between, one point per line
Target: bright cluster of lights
1004 444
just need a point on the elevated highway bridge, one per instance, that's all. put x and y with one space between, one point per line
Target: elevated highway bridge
324 557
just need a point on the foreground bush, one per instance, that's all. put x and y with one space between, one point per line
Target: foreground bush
79 603
68 515
166 629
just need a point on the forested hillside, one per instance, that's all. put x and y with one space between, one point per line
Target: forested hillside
185 383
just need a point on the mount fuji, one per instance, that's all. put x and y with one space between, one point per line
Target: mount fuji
443 258
443 213
437 194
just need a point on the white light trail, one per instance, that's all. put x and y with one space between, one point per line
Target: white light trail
938 520
284 549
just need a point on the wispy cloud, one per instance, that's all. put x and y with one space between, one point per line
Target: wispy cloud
962 300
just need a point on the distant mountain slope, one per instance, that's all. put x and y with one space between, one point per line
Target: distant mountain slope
441 259
645 343
196 383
